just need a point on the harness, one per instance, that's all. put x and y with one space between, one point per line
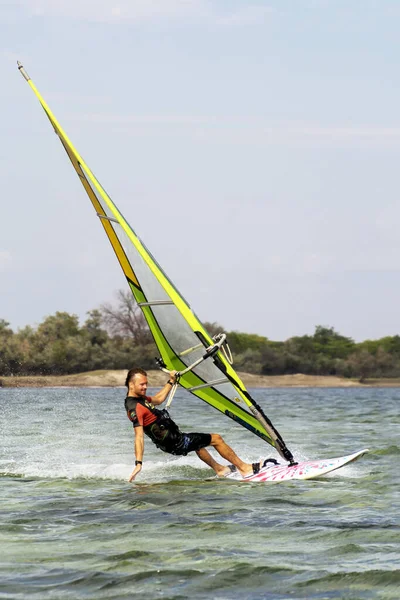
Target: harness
164 432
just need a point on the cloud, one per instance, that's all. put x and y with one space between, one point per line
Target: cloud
349 260
5 260
114 10
117 11
316 135
146 119
246 15
257 130
360 132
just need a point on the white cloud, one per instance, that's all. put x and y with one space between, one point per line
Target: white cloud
255 130
348 260
146 10
247 15
116 10
146 119
5 260
360 132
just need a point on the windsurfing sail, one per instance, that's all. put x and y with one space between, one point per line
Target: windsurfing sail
183 342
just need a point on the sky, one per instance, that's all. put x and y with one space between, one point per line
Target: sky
252 145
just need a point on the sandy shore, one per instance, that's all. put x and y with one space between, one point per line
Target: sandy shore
157 379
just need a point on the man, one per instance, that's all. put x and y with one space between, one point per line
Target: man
164 432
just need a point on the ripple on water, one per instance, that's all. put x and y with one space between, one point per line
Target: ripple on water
72 528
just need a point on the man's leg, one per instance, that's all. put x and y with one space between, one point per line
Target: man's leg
226 452
206 457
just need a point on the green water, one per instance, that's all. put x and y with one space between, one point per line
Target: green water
73 528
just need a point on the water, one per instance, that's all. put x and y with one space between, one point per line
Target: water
73 528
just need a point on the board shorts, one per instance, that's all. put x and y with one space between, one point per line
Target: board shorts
184 443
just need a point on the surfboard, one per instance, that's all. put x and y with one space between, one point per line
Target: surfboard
309 469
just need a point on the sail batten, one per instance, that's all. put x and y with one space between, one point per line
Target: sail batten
156 303
182 340
111 219
209 384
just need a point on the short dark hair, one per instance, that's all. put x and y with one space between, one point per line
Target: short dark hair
131 374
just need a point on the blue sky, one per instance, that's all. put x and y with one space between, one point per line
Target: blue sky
252 145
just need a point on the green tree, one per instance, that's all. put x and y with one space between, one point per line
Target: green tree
5 330
273 361
391 344
57 327
8 357
327 341
240 342
92 328
301 345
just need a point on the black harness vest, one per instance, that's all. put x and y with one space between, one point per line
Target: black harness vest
164 432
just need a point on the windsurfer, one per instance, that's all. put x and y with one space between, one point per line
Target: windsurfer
164 432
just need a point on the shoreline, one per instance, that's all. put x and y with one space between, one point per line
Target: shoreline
116 378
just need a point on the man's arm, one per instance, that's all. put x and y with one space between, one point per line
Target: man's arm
163 393
139 450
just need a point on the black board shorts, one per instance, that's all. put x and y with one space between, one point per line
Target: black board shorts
187 442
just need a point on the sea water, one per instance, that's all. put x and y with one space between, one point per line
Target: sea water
72 527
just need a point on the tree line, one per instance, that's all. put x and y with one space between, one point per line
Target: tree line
117 337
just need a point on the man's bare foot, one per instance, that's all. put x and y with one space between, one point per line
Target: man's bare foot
228 470
255 467
245 470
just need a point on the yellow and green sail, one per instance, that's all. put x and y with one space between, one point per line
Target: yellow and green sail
180 337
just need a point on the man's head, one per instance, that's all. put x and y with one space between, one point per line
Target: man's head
136 382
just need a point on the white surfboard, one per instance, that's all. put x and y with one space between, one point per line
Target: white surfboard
309 469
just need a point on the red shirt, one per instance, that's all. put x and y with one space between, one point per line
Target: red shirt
141 415
144 415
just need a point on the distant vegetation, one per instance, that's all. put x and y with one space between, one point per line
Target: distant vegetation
118 337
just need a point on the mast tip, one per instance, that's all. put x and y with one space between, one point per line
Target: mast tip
22 70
